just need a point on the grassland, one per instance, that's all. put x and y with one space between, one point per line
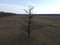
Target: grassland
45 30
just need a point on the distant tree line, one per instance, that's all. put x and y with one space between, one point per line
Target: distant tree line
3 14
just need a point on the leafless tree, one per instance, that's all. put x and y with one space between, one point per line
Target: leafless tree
29 11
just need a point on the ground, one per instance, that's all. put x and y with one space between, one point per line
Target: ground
45 30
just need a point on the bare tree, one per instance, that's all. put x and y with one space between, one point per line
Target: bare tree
29 11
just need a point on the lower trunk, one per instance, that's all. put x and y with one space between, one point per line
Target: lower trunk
28 30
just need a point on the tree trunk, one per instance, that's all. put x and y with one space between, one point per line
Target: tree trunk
29 22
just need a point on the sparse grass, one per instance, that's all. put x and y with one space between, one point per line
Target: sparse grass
45 31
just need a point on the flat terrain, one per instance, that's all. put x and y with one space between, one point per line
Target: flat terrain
45 30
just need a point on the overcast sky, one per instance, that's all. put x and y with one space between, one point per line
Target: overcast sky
40 6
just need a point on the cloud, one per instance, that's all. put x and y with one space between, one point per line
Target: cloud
29 2
55 9
11 8
52 8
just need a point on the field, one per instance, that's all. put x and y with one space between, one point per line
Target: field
45 30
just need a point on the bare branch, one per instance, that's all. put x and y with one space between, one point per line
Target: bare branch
26 11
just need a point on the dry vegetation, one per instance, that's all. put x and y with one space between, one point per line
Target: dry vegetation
45 30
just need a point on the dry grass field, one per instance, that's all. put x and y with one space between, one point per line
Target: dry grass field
45 30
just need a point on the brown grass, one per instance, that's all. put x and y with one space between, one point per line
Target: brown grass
45 30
